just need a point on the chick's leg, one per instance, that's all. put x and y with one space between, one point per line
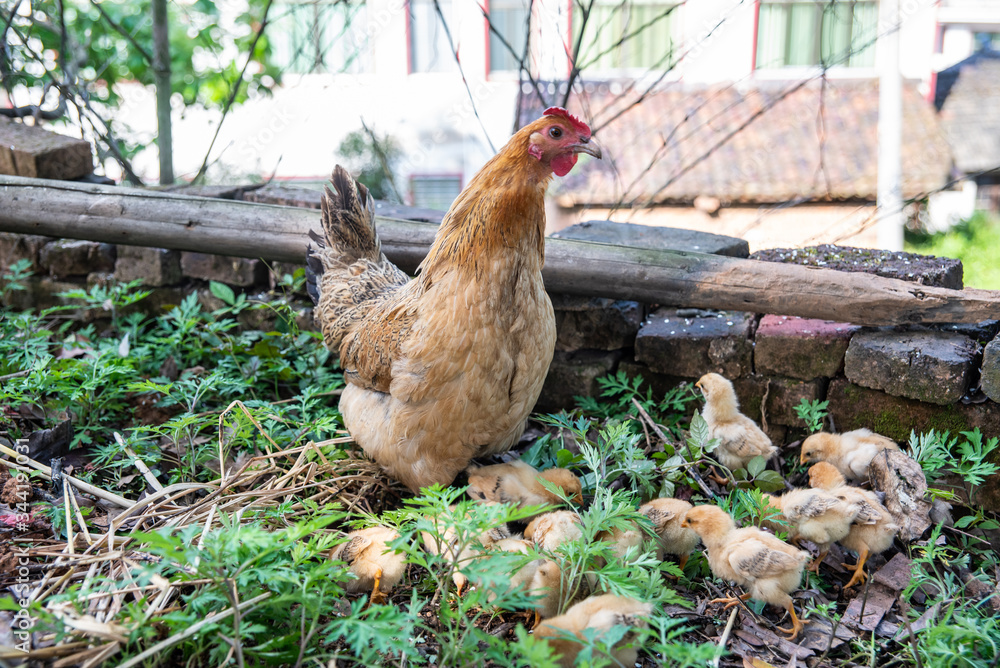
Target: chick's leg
859 568
796 622
377 595
730 601
683 559
814 564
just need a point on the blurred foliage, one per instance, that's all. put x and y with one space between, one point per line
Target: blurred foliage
974 242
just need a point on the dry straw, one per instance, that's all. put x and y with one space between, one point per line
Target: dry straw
105 563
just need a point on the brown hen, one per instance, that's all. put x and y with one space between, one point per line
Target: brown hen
447 366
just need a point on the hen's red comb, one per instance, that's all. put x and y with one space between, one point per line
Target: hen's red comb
578 125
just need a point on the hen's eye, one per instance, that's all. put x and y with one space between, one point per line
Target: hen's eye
555 133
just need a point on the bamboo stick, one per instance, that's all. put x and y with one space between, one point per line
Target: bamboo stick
145 218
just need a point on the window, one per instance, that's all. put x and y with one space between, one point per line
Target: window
987 41
510 19
624 35
803 34
434 192
430 50
320 36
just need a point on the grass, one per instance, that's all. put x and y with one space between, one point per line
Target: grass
229 564
976 242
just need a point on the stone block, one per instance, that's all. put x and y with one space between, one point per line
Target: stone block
41 292
782 396
928 366
982 331
14 247
35 152
990 379
73 257
799 347
155 267
943 272
657 238
240 271
689 343
595 323
574 374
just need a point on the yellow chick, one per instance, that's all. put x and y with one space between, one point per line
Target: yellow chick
817 516
372 562
600 613
540 577
851 452
751 558
449 548
623 540
667 516
873 530
740 440
517 482
551 530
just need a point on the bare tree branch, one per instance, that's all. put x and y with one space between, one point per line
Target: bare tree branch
118 28
234 91
461 71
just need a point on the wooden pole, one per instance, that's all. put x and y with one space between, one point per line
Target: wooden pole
277 233
161 75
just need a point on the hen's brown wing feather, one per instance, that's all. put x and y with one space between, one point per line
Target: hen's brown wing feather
367 353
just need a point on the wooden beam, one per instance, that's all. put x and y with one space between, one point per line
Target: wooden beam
276 233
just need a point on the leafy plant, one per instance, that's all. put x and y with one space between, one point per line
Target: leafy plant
12 280
940 454
813 413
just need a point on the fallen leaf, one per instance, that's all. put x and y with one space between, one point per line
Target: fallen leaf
756 663
866 610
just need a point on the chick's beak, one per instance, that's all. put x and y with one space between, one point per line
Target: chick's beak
588 147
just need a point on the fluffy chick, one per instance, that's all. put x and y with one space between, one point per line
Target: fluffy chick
448 547
374 565
600 613
551 530
749 557
873 530
740 440
623 540
517 482
851 452
540 577
667 516
815 515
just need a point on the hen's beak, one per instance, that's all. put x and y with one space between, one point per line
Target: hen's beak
588 147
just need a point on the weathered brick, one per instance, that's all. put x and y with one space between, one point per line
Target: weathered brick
943 272
783 395
689 346
800 348
595 323
656 237
239 271
73 257
155 267
572 374
41 292
990 381
35 152
14 247
928 366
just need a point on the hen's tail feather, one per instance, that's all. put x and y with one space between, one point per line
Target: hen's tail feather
346 272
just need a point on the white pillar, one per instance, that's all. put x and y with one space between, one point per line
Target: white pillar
890 131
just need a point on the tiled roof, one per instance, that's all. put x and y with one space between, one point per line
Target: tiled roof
761 144
968 97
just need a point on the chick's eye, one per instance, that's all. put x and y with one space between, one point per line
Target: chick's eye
555 133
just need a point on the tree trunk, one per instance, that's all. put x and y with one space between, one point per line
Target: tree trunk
278 233
161 74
